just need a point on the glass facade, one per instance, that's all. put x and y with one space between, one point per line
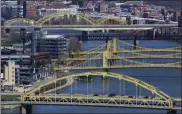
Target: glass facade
54 47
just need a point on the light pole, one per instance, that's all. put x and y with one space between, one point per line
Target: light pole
22 36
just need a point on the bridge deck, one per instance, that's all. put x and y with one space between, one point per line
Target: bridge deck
91 100
136 26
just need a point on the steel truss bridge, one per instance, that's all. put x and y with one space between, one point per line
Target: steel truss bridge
108 55
71 19
157 100
119 54
66 19
82 22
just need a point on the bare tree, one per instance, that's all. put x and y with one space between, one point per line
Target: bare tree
74 45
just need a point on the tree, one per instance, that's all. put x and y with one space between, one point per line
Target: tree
112 4
38 63
75 2
48 58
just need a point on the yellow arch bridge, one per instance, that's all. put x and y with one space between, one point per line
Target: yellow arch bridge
116 56
158 99
68 19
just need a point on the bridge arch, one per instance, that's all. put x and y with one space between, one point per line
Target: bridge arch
111 19
19 20
56 15
135 81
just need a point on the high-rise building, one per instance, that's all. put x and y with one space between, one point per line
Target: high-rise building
9 74
22 68
53 45
180 20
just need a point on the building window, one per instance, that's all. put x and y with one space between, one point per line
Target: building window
12 71
13 76
13 80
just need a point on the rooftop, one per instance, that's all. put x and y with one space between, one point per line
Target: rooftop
53 36
55 6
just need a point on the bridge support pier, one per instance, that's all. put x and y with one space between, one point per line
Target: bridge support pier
26 109
171 112
135 43
84 35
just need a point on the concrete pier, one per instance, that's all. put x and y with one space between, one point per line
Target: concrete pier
135 43
26 109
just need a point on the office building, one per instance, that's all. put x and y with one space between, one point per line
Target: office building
53 45
22 67
8 75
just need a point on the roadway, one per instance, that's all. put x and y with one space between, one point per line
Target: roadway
91 27
123 97
117 58
15 57
70 82
119 66
11 93
128 51
97 100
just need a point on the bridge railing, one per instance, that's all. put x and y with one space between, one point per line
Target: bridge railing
97 100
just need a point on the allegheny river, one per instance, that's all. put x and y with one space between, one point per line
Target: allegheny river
166 79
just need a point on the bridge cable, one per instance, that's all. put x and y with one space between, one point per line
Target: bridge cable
123 87
76 85
120 90
103 86
136 93
55 92
91 85
87 88
128 44
71 91
108 90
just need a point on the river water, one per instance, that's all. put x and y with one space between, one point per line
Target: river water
166 79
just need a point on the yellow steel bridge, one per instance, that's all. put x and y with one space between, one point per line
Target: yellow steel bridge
113 55
68 19
160 101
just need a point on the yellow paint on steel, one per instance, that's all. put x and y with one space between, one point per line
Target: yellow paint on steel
55 15
10 22
112 18
172 49
57 68
131 64
132 61
114 45
117 49
141 83
108 51
105 59
96 100
148 50
130 51
117 58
